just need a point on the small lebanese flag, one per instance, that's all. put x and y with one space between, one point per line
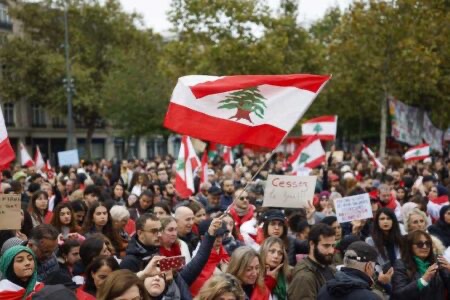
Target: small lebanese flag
228 155
372 157
419 152
323 127
186 163
255 110
204 167
48 169
38 159
7 154
25 158
310 154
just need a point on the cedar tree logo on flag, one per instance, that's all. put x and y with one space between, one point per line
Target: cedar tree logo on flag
246 101
317 128
303 158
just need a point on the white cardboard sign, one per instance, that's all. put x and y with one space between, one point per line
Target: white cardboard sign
289 191
10 211
353 208
68 158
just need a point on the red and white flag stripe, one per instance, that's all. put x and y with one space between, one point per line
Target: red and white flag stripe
372 157
7 154
25 158
210 108
419 152
323 127
309 154
228 155
38 159
186 163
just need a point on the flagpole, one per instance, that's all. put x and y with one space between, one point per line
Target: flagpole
249 182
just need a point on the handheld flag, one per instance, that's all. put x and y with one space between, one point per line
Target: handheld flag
372 157
38 159
7 154
323 128
228 155
255 110
25 158
186 163
419 152
310 154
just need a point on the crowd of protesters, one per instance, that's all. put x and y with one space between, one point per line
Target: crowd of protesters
102 230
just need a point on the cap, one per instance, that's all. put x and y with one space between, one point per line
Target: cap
204 226
19 175
324 194
274 214
215 191
11 242
364 252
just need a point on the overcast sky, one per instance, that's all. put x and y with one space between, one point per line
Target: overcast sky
154 11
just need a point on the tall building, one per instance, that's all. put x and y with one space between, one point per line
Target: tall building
33 125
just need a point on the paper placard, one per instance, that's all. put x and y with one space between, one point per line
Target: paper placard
353 208
289 191
68 158
10 212
338 156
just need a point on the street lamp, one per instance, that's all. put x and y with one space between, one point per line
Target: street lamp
69 85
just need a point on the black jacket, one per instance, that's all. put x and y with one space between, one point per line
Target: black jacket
191 240
137 255
296 247
441 230
348 284
405 288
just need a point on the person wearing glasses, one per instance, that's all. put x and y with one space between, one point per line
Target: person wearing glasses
354 280
241 210
418 275
143 244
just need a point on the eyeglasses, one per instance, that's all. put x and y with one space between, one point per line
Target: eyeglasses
154 230
422 244
242 198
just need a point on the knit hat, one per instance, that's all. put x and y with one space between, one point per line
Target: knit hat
364 252
11 242
18 175
8 258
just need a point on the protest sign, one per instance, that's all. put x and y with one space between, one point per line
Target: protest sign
289 191
68 158
353 208
10 212
338 156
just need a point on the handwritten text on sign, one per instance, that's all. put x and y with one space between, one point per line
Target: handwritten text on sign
289 191
10 211
353 208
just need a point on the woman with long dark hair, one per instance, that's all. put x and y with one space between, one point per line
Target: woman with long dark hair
143 205
79 209
38 207
386 236
96 274
98 220
417 275
119 195
63 219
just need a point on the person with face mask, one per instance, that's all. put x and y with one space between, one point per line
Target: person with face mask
354 280
312 272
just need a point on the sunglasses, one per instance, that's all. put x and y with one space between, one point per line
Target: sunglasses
421 244
242 198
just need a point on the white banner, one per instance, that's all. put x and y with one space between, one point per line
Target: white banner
289 191
353 208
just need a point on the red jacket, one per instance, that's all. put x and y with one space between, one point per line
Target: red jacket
82 295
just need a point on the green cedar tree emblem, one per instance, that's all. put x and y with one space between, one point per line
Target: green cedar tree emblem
317 128
246 101
417 152
180 164
303 158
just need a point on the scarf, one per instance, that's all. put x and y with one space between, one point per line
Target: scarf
240 211
422 265
7 268
280 289
174 250
215 258
391 204
238 219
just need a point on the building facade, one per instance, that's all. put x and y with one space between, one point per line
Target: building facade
31 124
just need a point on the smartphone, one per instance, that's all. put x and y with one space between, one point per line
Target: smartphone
172 263
386 267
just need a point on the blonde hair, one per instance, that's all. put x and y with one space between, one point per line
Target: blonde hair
265 249
241 259
413 212
219 284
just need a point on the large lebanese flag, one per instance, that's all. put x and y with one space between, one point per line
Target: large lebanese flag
25 158
7 154
310 154
187 162
417 153
372 157
256 110
323 127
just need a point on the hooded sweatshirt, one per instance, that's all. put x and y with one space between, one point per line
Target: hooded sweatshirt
348 284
